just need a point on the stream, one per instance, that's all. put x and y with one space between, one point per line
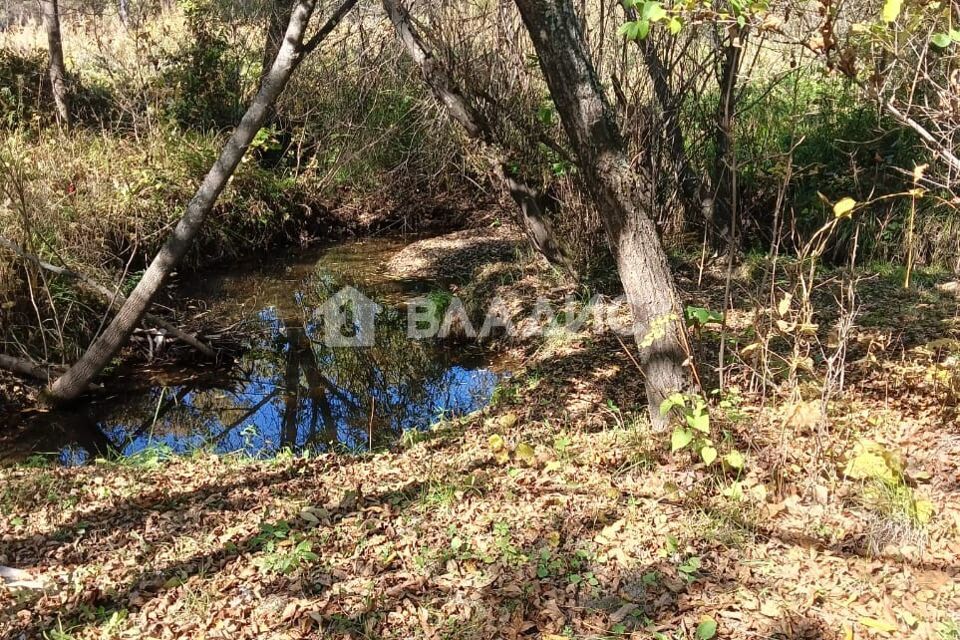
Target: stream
289 390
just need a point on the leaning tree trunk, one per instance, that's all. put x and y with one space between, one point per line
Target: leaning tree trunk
620 194
531 202
58 72
109 343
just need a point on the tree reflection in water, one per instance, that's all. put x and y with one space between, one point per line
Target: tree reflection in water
289 391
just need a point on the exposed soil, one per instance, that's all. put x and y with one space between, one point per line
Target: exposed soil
456 256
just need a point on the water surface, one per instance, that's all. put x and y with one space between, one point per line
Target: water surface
289 390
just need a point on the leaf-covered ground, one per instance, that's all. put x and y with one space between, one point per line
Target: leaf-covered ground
555 513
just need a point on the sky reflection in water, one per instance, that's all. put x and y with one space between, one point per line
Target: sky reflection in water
289 391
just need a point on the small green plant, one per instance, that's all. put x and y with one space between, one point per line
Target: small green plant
695 432
549 564
949 630
688 568
884 486
154 455
699 317
286 561
284 550
509 552
587 578
561 444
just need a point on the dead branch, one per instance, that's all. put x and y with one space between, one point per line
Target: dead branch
108 296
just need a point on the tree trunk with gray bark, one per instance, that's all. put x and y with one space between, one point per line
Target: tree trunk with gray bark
621 194
58 72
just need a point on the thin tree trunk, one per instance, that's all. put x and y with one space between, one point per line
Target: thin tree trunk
689 183
531 202
109 297
724 160
58 72
109 343
618 192
280 11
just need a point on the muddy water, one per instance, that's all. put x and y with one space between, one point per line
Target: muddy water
289 390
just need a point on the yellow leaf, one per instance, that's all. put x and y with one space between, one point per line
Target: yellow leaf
847 632
872 462
918 172
784 304
786 327
924 510
891 10
526 453
507 420
750 348
844 208
879 625
909 618
496 443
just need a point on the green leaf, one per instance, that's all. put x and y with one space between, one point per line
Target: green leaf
891 10
734 459
681 437
955 35
699 421
653 12
941 40
675 26
701 316
643 28
844 207
707 629
671 401
709 454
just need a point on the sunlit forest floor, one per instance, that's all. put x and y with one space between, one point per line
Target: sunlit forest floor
554 513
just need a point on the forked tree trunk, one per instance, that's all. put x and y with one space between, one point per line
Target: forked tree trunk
531 202
58 71
618 192
109 343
